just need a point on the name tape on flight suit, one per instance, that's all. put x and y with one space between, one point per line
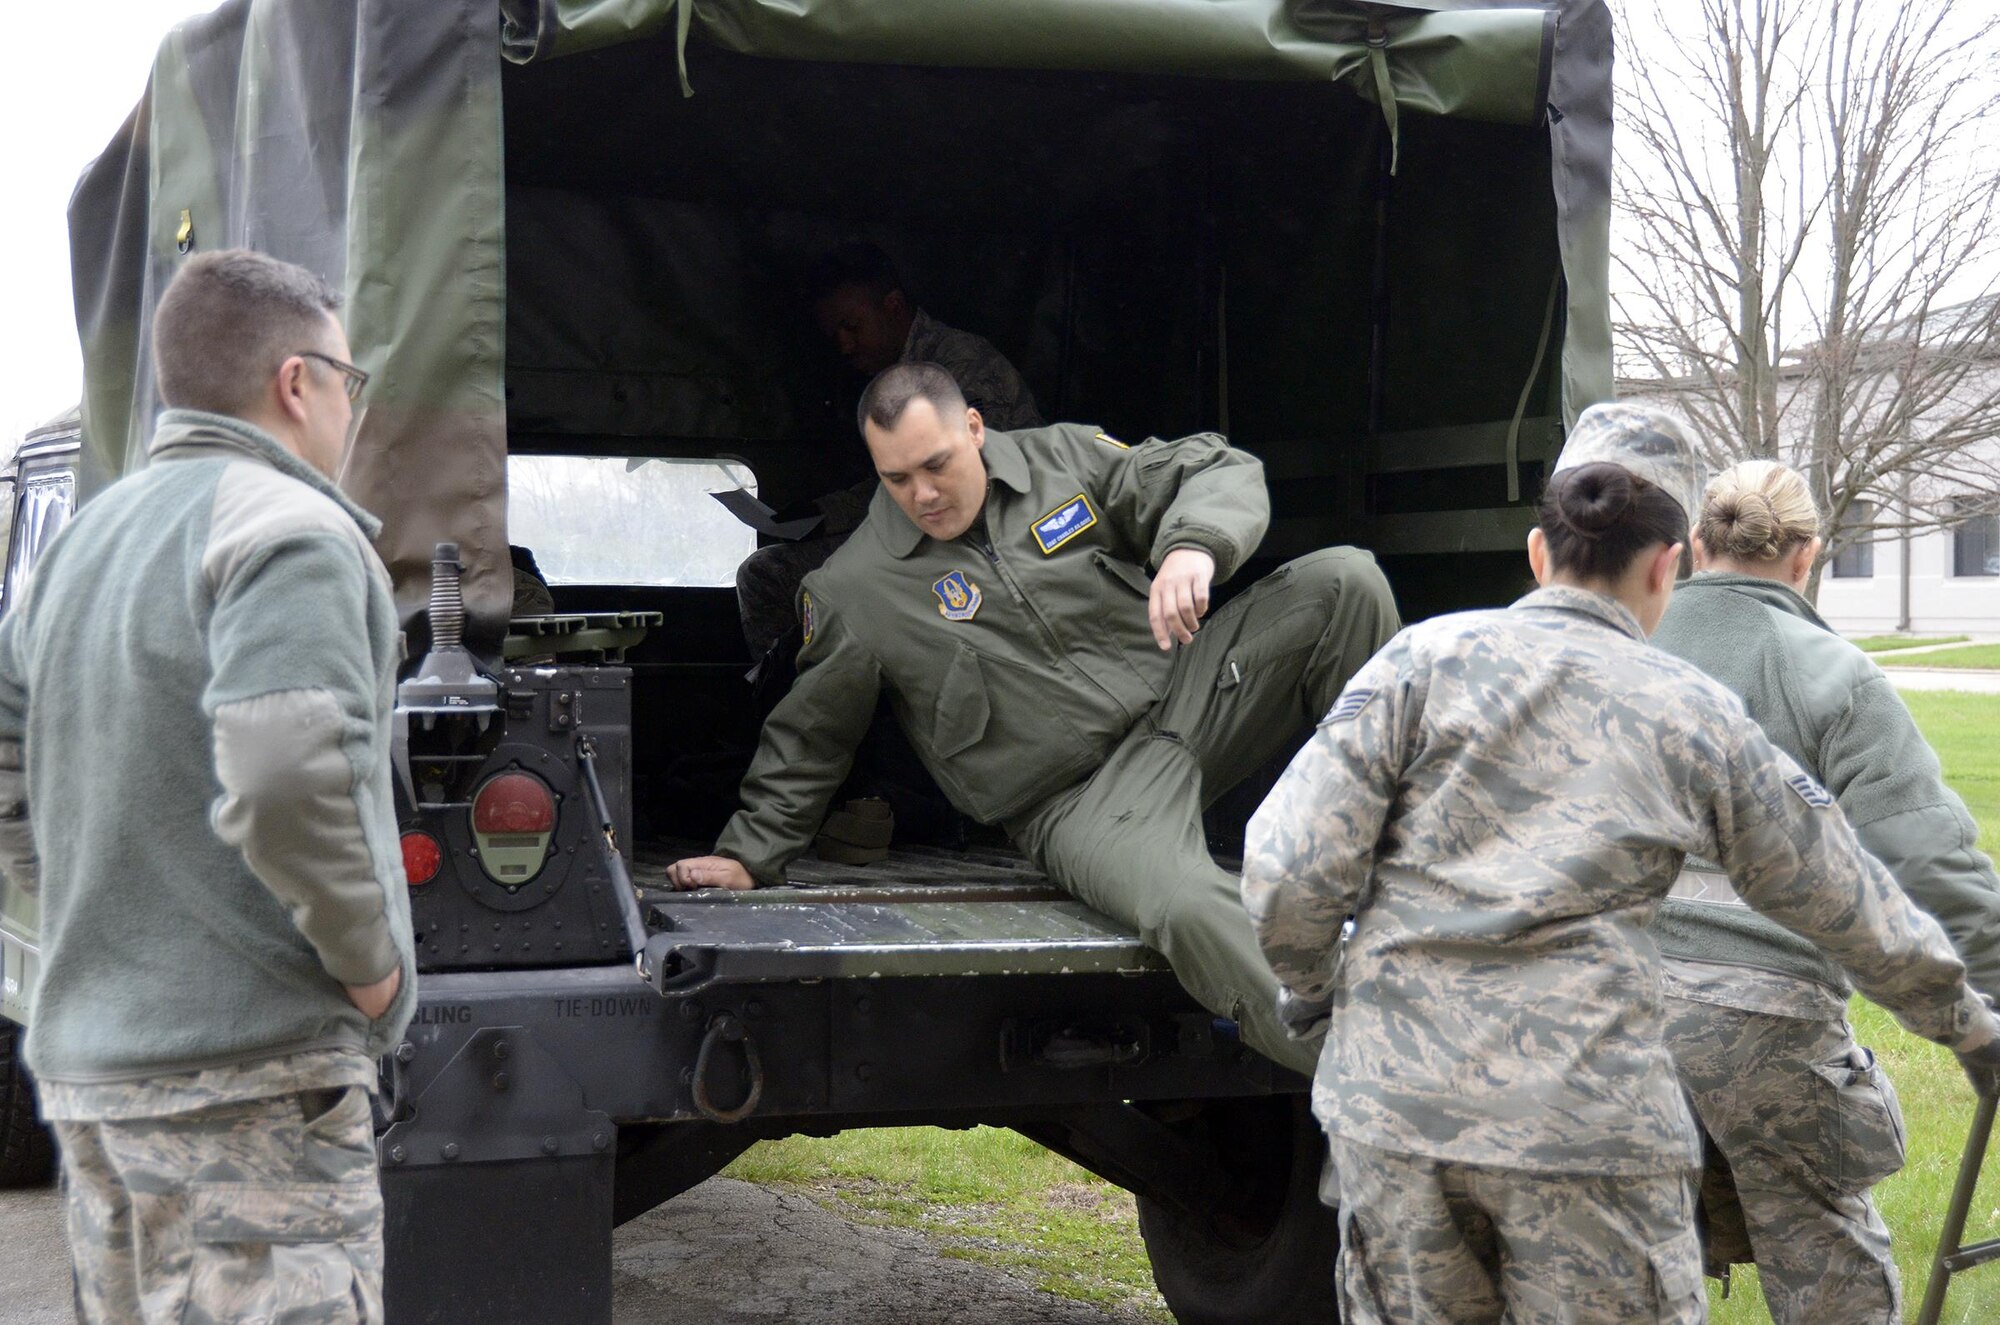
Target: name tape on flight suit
1064 523
1351 704
1809 791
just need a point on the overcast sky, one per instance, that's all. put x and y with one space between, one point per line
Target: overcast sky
77 72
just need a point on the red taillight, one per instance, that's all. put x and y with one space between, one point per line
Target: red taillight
422 858
513 823
514 803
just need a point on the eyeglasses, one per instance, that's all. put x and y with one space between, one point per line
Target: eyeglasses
356 380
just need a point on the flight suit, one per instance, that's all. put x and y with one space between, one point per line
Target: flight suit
1019 661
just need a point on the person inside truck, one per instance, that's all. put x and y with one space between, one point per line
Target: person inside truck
860 304
1756 1017
1499 801
1035 605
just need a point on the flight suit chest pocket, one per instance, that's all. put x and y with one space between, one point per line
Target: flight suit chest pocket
1123 580
962 705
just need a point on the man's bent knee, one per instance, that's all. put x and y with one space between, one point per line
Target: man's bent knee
1338 573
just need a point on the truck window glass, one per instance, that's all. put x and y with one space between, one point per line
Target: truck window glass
637 521
6 521
45 503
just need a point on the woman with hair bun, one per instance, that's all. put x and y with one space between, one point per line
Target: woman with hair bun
1797 1114
1498 801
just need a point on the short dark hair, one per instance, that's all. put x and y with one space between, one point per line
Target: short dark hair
883 403
1598 517
225 323
856 262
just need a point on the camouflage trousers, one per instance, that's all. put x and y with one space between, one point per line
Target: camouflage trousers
767 588
264 1210
1807 1124
1457 1244
1129 840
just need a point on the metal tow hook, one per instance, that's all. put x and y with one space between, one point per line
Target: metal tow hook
726 1029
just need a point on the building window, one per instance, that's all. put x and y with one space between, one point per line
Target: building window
1975 541
1856 561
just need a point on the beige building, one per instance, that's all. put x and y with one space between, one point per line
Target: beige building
1936 581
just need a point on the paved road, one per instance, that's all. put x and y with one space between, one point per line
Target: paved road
726 1253
1944 678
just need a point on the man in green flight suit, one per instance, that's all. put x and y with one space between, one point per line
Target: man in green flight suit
999 592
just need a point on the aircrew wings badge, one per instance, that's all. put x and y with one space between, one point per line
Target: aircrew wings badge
1064 523
958 597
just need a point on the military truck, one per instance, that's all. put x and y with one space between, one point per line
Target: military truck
1367 241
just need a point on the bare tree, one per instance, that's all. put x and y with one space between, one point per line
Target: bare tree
1812 247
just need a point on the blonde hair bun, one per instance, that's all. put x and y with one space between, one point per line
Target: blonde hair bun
1758 510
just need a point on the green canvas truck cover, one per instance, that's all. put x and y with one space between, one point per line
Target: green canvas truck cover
364 139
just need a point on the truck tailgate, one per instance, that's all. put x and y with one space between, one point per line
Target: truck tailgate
921 912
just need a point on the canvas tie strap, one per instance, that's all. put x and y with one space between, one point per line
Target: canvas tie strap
1385 88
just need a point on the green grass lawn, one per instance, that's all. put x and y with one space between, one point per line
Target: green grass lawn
1973 655
1881 643
984 1195
992 1196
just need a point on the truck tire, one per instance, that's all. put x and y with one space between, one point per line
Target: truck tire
1270 1260
27 1151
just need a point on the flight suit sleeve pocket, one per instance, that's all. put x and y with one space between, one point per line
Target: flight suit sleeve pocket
962 706
1862 1135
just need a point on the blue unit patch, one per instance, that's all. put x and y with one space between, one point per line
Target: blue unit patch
958 597
1064 523
1351 704
1811 792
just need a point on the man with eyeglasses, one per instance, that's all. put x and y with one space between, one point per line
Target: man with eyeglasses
195 694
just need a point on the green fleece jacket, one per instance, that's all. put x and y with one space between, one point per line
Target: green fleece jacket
1824 703
195 693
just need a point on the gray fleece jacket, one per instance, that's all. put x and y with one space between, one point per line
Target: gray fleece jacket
1823 702
195 694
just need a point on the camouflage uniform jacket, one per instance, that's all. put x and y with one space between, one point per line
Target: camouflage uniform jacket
1015 664
1500 800
990 383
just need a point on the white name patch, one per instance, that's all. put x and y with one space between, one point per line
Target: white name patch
1064 523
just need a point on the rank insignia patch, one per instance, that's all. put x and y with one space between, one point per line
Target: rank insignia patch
958 597
1811 792
1064 523
1109 440
1351 704
806 615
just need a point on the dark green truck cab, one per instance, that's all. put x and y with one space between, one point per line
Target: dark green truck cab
1365 240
